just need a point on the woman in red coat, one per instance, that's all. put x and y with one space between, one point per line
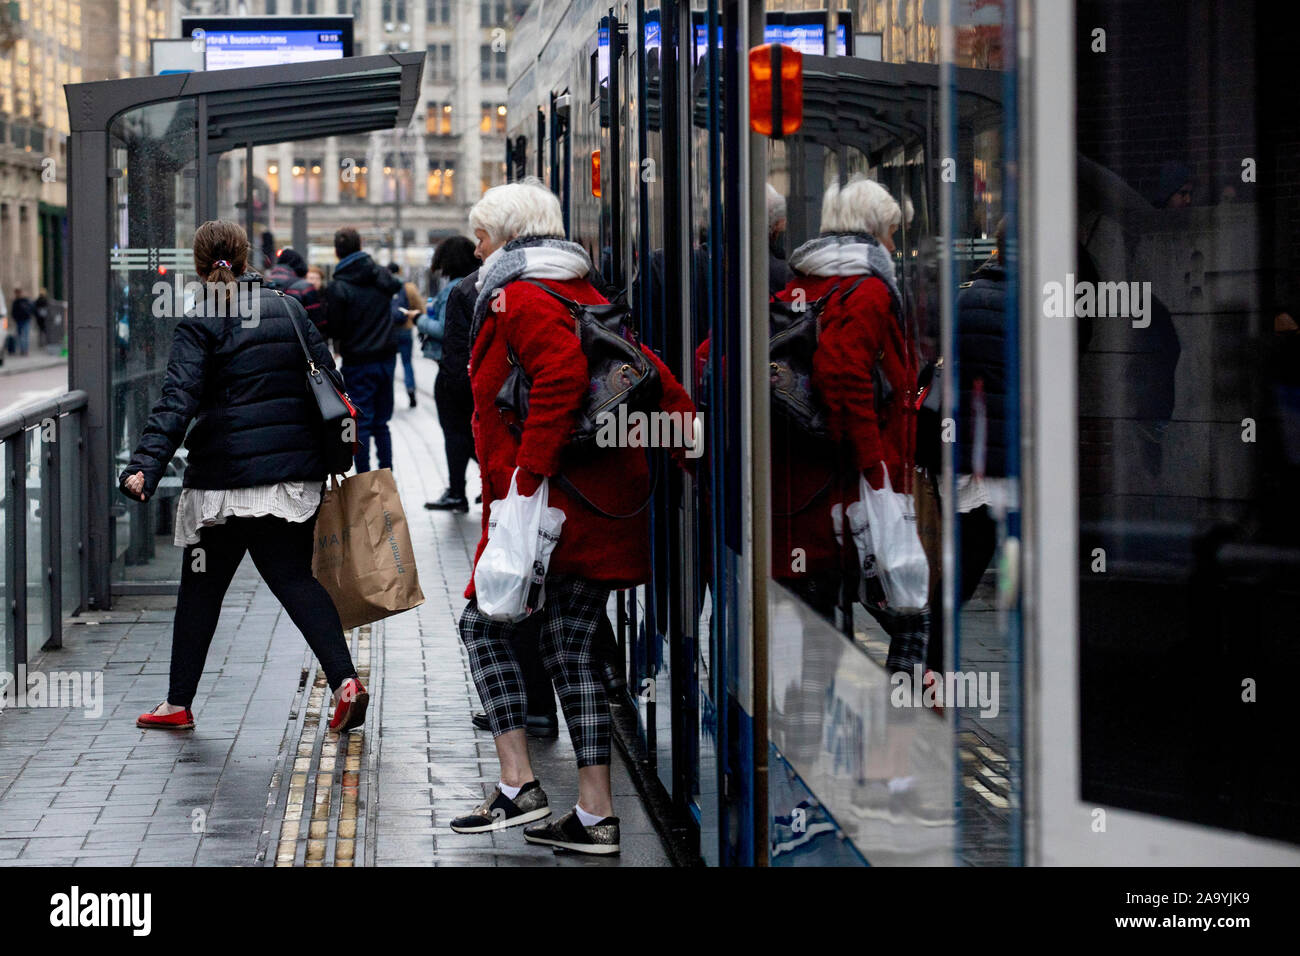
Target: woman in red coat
865 365
519 229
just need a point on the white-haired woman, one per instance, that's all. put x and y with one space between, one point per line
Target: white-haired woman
529 273
865 366
778 272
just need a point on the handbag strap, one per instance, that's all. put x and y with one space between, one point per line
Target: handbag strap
572 306
572 489
302 339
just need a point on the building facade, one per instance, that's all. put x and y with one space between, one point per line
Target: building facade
43 45
404 190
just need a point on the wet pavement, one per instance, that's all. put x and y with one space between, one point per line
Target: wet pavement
261 780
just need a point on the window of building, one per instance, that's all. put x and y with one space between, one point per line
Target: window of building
492 64
437 121
492 13
441 184
270 8
492 118
437 11
440 67
397 177
352 184
492 174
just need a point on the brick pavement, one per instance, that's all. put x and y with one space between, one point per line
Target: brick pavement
82 790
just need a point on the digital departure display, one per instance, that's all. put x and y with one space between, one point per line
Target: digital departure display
238 42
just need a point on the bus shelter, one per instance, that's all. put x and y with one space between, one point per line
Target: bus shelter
145 161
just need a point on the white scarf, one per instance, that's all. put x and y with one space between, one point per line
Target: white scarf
847 254
536 257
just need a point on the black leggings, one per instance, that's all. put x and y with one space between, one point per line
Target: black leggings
281 551
455 408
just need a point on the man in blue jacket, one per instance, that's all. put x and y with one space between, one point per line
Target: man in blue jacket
358 306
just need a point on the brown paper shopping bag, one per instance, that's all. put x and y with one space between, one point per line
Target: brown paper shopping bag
362 553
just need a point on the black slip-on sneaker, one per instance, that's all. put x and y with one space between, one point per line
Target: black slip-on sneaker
498 811
448 502
568 833
543 727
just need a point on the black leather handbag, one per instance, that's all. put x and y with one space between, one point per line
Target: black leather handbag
338 414
790 354
619 371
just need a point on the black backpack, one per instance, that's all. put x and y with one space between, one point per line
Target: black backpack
620 372
790 356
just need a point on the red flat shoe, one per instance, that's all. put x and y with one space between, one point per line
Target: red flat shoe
181 720
350 703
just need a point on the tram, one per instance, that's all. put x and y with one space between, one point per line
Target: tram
1118 593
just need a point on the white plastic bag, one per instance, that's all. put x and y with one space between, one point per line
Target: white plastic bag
889 533
522 533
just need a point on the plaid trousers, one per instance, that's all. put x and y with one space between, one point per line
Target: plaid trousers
571 618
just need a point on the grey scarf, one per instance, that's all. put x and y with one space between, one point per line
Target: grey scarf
848 254
536 257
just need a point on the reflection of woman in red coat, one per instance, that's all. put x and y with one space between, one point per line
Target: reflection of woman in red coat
865 365
518 227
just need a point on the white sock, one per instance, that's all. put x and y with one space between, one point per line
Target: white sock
509 791
585 818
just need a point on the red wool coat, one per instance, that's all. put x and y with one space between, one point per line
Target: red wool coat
614 551
857 331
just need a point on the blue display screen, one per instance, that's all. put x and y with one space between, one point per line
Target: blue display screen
807 38
235 49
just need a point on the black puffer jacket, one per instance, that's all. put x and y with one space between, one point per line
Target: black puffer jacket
981 354
453 370
245 389
359 310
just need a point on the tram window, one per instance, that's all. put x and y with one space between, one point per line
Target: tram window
1189 412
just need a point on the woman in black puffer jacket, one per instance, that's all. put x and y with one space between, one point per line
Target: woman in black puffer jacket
255 471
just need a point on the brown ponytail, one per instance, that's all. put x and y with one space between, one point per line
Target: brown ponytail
221 254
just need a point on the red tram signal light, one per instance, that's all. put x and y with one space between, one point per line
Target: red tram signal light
775 89
595 173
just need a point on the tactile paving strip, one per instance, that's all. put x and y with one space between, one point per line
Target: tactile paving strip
320 812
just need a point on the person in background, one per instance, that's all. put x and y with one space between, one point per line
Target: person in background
983 491
447 333
358 311
446 338
41 309
407 307
23 312
290 276
255 476
778 272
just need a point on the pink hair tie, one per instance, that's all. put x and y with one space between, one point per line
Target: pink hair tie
222 262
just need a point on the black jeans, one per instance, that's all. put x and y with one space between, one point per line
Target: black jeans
281 551
455 406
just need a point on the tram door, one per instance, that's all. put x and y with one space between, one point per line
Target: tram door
894 704
712 232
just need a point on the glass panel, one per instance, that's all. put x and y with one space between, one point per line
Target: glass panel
34 503
155 215
705 334
854 207
6 523
984 342
72 502
1186 301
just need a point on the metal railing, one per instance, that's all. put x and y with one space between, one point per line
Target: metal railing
43 515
